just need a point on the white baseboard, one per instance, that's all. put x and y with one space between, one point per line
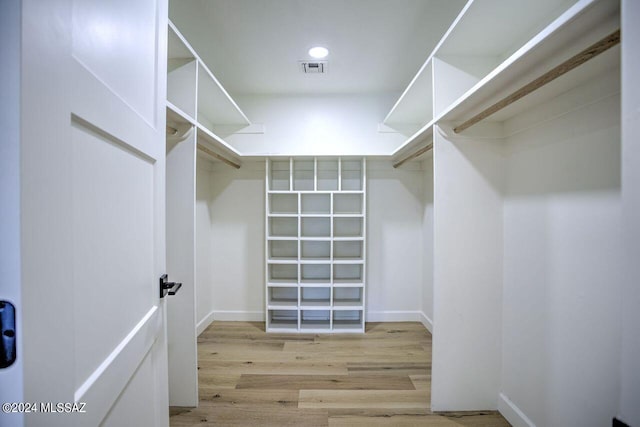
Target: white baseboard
238 316
512 413
394 316
426 322
204 323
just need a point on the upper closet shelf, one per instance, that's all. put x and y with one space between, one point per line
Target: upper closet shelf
414 108
495 47
583 25
196 97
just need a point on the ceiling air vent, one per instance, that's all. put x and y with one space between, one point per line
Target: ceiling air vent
314 67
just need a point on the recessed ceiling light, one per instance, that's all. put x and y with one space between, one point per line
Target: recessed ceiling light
318 52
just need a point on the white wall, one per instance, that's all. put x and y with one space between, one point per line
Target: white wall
317 125
394 241
629 409
236 207
230 242
562 263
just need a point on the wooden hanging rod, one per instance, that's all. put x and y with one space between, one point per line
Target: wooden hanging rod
568 65
218 156
414 155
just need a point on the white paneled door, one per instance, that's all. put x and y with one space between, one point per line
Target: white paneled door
92 164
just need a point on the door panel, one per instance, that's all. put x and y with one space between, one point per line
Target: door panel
116 41
113 289
93 159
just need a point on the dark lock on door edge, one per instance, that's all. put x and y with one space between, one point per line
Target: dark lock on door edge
7 334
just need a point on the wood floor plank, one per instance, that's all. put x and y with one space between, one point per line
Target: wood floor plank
421 382
230 397
363 399
476 418
272 368
381 378
367 368
324 382
250 415
391 421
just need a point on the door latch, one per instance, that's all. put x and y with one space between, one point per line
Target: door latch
167 287
7 334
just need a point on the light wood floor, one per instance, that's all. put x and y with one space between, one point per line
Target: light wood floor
382 378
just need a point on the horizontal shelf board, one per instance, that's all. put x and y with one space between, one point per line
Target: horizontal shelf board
315 260
423 136
283 326
315 305
346 283
283 282
316 239
414 107
215 103
347 238
177 116
348 261
275 284
315 282
573 31
282 215
319 284
215 143
347 329
472 35
348 215
315 215
282 305
282 261
348 305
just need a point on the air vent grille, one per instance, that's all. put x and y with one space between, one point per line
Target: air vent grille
314 67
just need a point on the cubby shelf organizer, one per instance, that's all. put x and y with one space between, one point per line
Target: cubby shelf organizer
315 244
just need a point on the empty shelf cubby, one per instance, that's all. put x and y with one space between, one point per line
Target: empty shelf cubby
280 175
316 227
303 175
348 204
283 296
316 203
283 250
283 227
348 250
283 273
315 273
327 174
348 227
315 296
283 204
315 250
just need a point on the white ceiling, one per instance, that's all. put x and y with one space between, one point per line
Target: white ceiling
253 46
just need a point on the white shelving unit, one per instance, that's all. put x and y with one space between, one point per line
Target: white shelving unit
315 244
196 98
476 63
